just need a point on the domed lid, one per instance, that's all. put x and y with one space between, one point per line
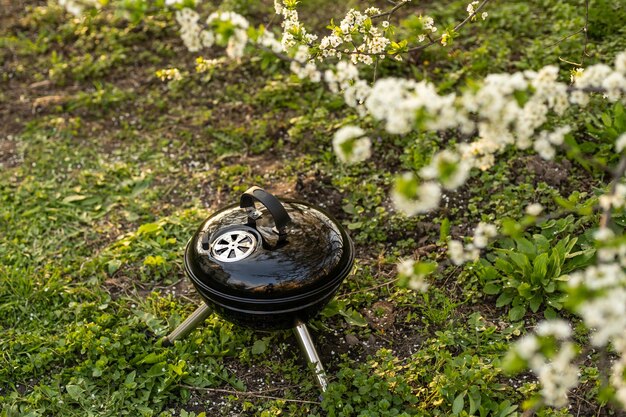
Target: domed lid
283 248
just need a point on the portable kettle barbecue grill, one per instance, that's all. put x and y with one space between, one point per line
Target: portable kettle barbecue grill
272 267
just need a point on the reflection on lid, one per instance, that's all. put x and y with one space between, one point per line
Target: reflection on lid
311 256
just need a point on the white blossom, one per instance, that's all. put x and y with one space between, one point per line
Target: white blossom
76 7
603 234
417 282
560 329
534 209
617 379
470 7
557 374
426 198
350 145
620 143
482 234
605 315
447 167
459 253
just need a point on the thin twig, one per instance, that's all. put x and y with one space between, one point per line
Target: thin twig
586 32
375 69
277 54
456 28
370 288
564 38
617 176
391 11
256 394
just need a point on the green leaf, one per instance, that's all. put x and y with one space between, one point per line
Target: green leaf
457 405
152 357
444 230
513 363
157 369
355 225
524 290
504 299
511 228
525 246
550 313
75 197
113 265
259 346
474 400
332 308
353 317
516 313
74 391
149 228
535 303
129 381
521 261
540 268
504 266
492 288
508 410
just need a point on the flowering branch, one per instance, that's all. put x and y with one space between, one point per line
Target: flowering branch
468 19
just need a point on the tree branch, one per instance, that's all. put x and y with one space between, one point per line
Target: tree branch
456 28
391 11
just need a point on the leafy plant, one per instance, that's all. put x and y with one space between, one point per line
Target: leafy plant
526 273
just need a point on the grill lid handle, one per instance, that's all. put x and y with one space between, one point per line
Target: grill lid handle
273 205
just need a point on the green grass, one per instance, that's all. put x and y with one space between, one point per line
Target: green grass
102 185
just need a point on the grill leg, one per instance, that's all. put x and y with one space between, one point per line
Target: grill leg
307 346
194 320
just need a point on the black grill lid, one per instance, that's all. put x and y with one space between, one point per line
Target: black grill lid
280 249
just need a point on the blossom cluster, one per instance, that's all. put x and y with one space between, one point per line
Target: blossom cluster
350 144
425 196
357 36
227 28
492 110
603 312
415 274
169 74
556 372
471 12
460 253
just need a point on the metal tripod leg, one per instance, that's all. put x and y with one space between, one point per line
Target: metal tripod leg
306 343
194 320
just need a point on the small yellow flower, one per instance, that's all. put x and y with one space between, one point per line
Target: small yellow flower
445 38
169 74
575 73
204 65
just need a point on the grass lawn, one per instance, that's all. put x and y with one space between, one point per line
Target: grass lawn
106 171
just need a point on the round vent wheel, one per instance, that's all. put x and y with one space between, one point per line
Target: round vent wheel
233 246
